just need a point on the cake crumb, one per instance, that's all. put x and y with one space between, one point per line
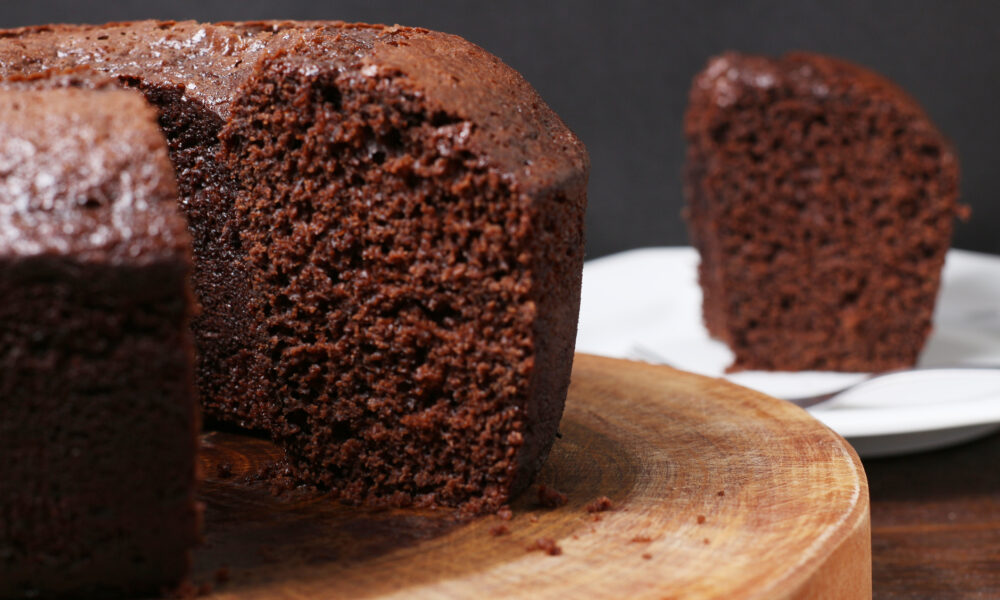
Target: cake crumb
701 519
600 505
640 539
647 555
546 545
277 476
499 530
596 517
550 497
706 541
533 518
224 470
721 493
505 513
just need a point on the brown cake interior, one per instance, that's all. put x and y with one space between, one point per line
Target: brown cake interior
381 264
97 409
821 200
224 328
98 470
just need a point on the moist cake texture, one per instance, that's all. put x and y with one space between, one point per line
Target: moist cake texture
387 227
97 409
821 200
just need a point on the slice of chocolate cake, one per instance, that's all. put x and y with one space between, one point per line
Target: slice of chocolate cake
388 240
821 199
97 410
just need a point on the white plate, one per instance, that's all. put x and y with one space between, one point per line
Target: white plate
646 305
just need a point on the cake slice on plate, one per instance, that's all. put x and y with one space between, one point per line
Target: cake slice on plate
821 199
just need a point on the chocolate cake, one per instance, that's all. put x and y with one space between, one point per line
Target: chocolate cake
821 199
387 226
97 408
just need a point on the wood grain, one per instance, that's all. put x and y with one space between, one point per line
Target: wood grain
717 492
936 523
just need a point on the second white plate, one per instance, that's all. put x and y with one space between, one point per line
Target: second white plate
646 304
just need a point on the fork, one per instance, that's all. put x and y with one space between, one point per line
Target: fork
643 353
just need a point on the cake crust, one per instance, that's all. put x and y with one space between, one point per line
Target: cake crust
76 183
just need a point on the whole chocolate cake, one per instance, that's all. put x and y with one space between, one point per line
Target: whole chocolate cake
821 199
387 227
97 409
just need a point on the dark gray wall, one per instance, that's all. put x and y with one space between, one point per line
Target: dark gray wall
618 73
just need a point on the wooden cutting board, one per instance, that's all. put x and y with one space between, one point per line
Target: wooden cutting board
716 491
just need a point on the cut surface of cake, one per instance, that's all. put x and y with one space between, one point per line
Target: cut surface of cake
821 200
98 418
388 239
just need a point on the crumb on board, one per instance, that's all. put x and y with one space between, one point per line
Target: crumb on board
277 476
533 518
706 541
701 519
647 555
596 517
640 539
599 505
721 493
550 497
505 513
546 545
498 530
224 470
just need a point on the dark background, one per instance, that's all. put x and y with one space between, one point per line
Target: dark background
618 74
